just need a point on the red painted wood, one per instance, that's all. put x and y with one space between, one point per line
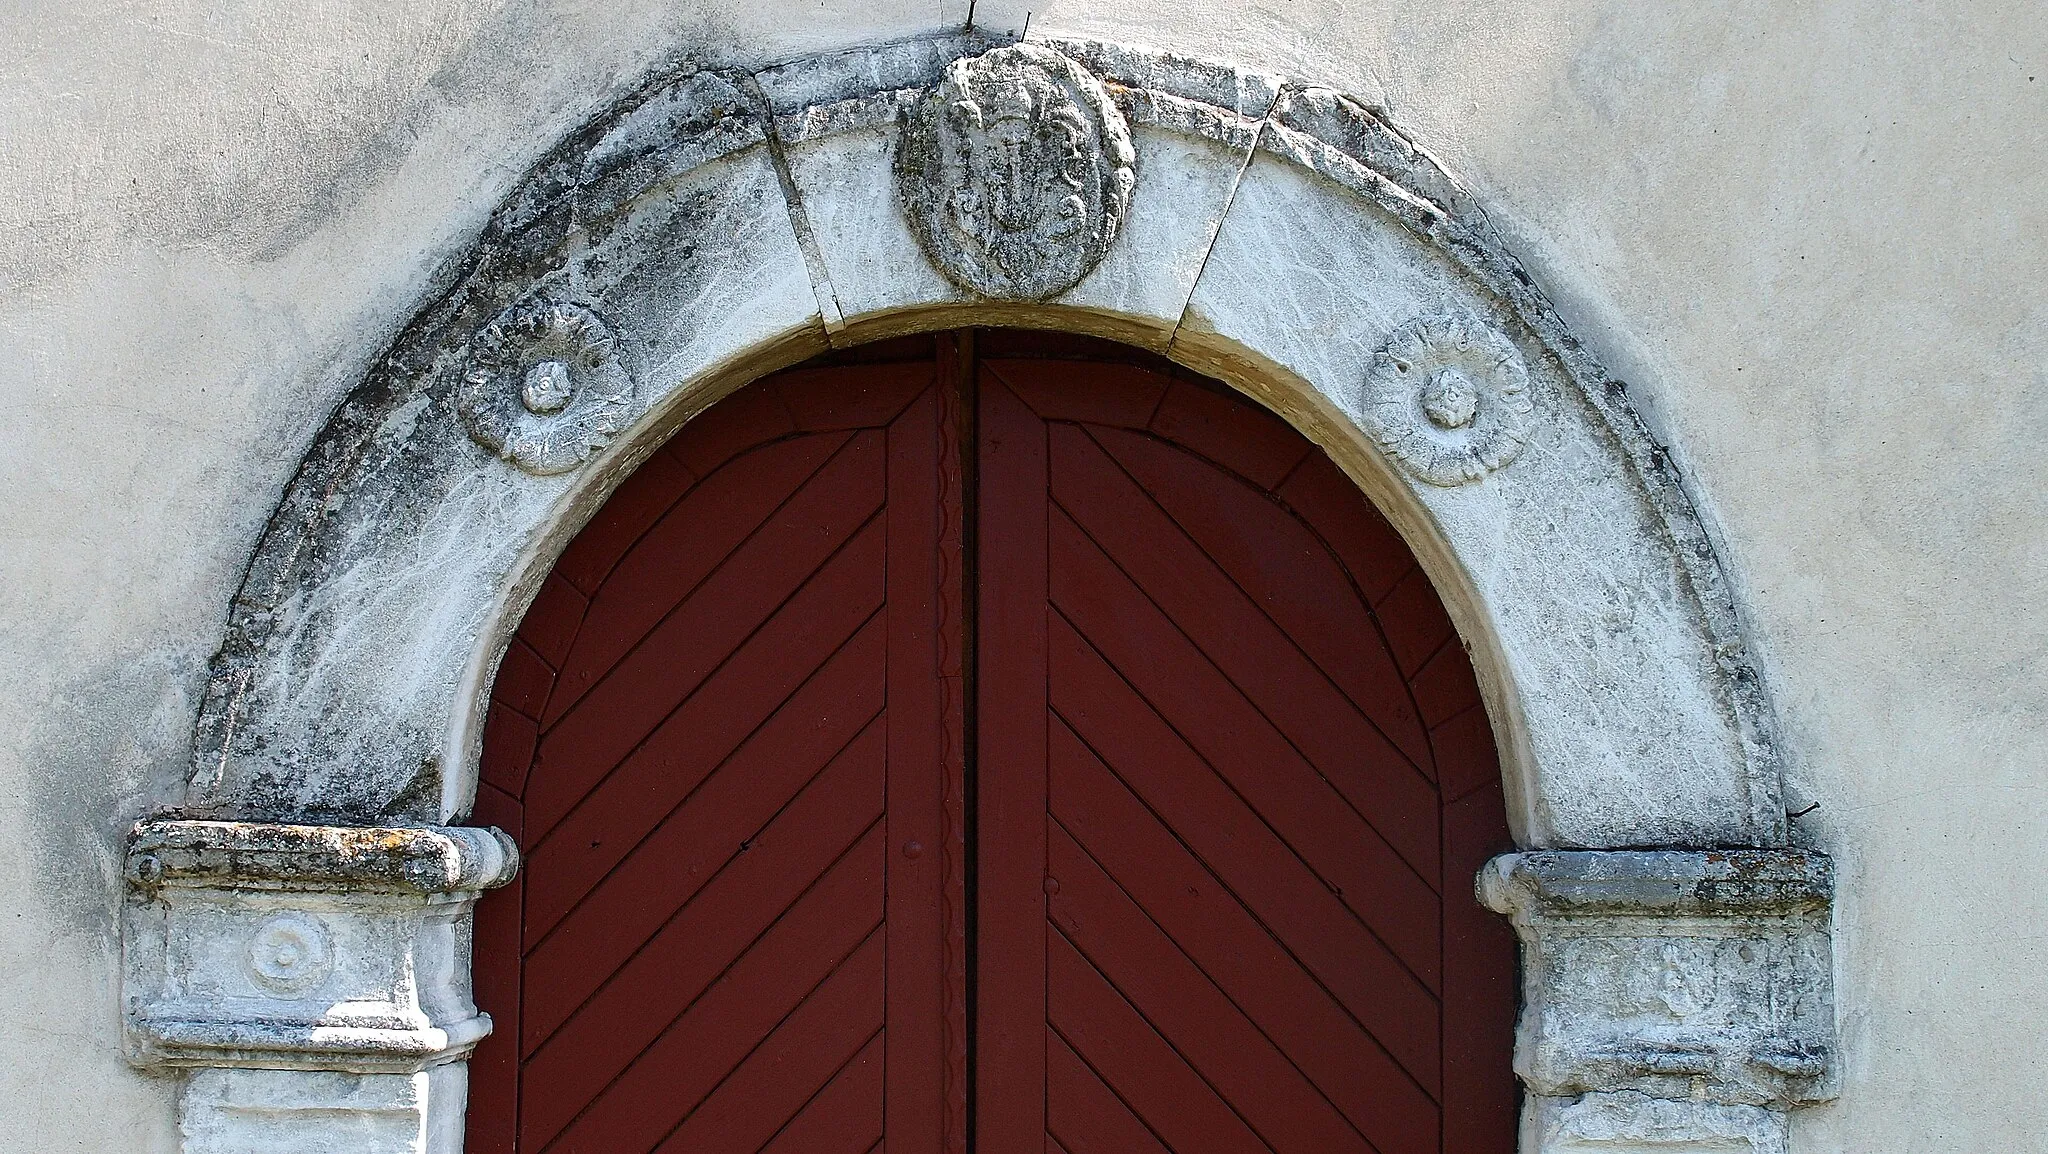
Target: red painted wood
1010 777
732 707
1262 934
1229 770
926 754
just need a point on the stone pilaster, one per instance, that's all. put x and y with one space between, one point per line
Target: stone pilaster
1673 1000
314 979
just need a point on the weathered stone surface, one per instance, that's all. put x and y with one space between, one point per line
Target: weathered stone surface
1448 398
1015 171
544 388
1147 76
1629 1123
727 219
1693 976
381 597
870 263
1622 713
234 1111
305 947
247 855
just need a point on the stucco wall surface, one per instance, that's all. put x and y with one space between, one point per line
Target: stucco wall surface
1809 236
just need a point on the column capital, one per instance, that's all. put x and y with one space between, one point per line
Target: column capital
1699 979
306 947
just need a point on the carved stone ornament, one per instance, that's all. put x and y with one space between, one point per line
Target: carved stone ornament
316 978
1448 397
1696 976
1016 171
544 387
304 947
290 954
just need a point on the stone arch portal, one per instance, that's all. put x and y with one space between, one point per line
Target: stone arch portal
297 930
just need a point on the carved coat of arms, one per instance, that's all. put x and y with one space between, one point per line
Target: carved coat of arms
1015 172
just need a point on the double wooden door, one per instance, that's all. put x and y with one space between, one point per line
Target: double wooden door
991 742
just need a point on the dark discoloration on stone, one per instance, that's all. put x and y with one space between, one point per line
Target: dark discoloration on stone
1719 883
246 855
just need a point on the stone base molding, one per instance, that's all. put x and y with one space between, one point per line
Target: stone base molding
317 978
1673 1000
1630 1123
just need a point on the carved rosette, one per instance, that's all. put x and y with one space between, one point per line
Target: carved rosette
544 387
290 954
1015 172
1448 397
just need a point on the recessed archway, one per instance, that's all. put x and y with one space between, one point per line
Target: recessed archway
795 765
720 225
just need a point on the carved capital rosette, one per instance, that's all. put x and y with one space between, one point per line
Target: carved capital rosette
544 387
1016 171
1448 397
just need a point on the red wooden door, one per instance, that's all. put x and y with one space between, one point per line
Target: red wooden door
1229 783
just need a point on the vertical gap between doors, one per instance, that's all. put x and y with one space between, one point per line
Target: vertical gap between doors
963 371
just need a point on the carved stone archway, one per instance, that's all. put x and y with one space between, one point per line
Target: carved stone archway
297 929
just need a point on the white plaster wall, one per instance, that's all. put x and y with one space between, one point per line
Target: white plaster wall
1810 235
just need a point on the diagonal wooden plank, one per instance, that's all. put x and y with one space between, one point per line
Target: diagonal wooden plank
1373 554
693 946
1232 431
607 1094
1215 1037
1134 1061
745 420
621 916
631 695
1252 968
1365 772
1286 568
1082 1115
1412 616
1445 686
775 1081
851 396
1299 840
523 680
1099 394
632 509
509 741
712 720
687 545
610 867
1286 897
843 1118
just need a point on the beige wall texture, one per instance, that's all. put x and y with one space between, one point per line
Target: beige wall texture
1810 236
